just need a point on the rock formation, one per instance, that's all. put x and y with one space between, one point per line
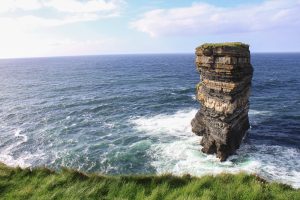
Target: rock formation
225 73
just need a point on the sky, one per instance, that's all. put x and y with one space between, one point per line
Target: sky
41 28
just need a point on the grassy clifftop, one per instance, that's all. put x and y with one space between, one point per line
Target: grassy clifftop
42 183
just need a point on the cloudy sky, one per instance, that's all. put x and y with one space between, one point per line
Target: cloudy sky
33 28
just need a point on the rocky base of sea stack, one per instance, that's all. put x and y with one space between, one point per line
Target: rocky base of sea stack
226 74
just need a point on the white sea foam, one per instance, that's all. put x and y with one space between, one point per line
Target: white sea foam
109 125
25 158
193 96
181 154
19 135
257 112
177 124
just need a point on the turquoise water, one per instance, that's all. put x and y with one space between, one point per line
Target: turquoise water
131 114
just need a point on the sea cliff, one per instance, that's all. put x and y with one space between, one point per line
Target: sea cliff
226 74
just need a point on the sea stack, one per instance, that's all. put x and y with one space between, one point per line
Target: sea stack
223 92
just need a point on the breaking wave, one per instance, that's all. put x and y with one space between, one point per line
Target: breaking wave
178 151
9 156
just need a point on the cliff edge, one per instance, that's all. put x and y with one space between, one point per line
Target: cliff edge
223 92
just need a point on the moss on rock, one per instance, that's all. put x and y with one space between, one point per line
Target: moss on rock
223 44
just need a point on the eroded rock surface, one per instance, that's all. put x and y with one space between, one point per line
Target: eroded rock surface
226 74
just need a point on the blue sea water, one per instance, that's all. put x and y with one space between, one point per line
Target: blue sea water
130 114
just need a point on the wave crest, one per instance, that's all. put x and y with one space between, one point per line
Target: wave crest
181 154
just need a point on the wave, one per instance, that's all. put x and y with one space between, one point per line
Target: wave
262 112
177 124
182 154
23 137
25 158
193 96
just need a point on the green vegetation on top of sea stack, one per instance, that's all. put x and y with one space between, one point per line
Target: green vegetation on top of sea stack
42 183
223 44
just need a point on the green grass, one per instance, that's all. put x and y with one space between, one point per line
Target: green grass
42 183
230 44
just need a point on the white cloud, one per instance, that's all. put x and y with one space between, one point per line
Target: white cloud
74 6
29 22
65 12
69 11
69 6
30 45
13 5
67 46
31 27
203 19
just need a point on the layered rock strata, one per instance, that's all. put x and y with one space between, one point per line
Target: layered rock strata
225 74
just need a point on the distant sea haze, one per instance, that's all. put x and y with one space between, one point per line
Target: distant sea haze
130 114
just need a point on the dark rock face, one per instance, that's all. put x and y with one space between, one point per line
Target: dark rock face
226 74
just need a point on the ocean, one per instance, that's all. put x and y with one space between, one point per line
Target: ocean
131 114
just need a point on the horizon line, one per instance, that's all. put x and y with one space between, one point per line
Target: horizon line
120 54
